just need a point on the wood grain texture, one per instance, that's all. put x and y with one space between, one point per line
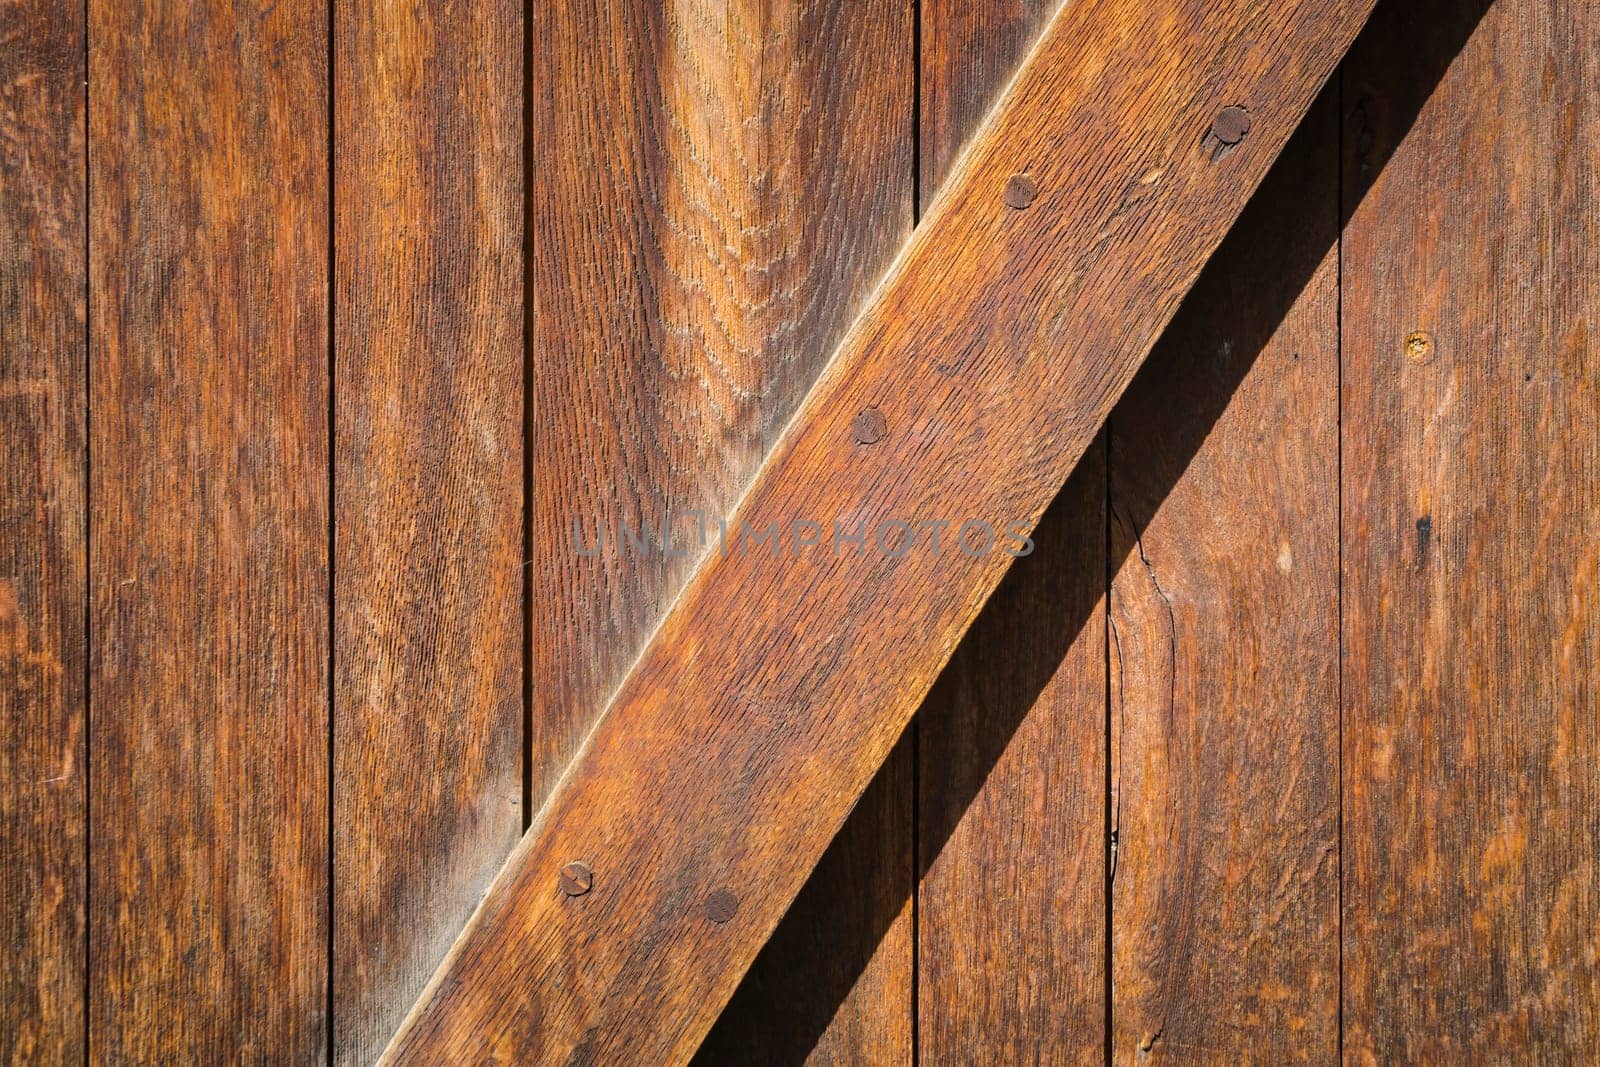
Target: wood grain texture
428 490
1471 424
774 688
42 563
1011 905
1224 646
833 984
1011 740
209 586
970 50
714 187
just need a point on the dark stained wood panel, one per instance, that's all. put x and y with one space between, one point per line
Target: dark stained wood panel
300 791
713 191
774 689
1224 645
42 563
428 490
209 543
1471 428
1011 740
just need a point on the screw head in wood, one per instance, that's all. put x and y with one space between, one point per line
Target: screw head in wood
1420 348
721 906
1021 191
869 427
1231 125
577 878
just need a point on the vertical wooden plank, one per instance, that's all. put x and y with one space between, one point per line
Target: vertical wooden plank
1224 645
209 639
1471 426
715 186
428 489
1011 742
1011 819
42 285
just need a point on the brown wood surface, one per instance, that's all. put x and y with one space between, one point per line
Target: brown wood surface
785 1008
833 984
428 491
42 397
1011 815
1224 646
208 361
1011 740
970 50
1471 429
970 388
714 189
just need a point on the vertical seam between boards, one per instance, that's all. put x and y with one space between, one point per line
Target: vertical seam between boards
88 571
916 723
1107 829
333 525
527 570
1338 404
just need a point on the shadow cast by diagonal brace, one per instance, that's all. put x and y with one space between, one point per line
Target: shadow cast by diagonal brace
865 881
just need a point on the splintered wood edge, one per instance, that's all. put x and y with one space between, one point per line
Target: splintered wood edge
1017 298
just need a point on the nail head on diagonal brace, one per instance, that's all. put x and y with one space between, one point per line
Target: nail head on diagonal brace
1231 125
1021 191
869 427
577 878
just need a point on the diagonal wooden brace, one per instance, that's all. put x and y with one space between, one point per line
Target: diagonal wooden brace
988 359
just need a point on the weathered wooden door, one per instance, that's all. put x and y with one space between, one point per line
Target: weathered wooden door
862 531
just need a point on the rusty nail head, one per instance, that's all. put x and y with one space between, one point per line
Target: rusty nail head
869 427
576 878
721 906
1420 347
1021 191
1231 125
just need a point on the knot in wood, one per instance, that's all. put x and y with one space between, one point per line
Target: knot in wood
1420 348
